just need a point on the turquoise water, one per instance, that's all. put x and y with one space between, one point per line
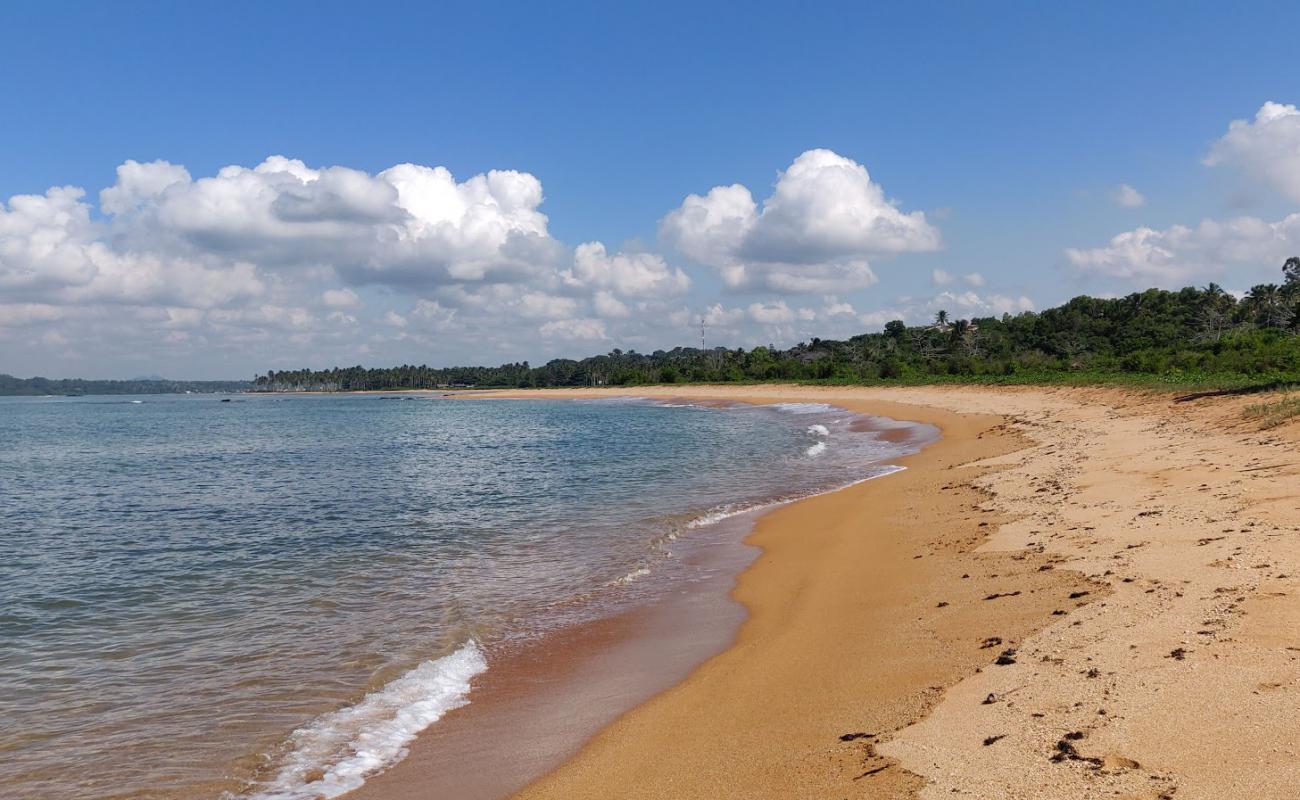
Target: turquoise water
270 596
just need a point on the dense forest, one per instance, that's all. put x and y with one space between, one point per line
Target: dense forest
1192 335
9 385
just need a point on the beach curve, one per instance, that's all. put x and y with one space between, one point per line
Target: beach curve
862 669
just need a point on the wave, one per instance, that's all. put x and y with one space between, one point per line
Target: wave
805 408
337 751
819 430
816 450
728 510
639 572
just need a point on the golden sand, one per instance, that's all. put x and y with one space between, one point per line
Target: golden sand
1132 562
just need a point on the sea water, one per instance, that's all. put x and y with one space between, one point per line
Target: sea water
269 596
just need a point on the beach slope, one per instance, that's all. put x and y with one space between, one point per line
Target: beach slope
1074 593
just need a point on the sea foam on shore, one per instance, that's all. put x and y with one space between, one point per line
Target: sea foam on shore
336 751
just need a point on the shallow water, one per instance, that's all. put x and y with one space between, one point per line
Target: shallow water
271 596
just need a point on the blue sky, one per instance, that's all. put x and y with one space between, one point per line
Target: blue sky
1009 127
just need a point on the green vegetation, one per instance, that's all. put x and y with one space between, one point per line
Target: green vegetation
9 385
1188 338
1278 412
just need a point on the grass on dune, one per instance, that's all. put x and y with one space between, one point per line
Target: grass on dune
1275 413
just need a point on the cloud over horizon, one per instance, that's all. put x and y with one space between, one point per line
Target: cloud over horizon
815 233
1237 251
285 260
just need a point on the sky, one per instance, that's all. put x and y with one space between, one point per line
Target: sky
212 190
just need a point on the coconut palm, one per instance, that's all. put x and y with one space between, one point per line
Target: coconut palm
1268 306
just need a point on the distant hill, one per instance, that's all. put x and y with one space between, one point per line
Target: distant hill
9 386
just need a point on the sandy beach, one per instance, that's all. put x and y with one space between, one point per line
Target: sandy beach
1075 593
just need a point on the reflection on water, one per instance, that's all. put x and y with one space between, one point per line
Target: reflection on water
186 582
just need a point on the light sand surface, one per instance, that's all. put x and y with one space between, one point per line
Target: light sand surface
1138 559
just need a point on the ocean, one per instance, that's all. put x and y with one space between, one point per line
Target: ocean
269 596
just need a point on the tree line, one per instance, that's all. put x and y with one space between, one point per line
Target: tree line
1190 332
9 386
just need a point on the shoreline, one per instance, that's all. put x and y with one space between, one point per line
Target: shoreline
1135 560
910 678
834 603
542 699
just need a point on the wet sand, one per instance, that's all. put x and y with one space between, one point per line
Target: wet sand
1028 611
539 701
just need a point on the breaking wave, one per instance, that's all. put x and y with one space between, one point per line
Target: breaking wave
337 751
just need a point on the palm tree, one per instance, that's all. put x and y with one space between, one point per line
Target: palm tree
941 319
1268 306
1213 313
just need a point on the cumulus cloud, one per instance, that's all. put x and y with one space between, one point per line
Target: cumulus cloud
1176 256
972 304
1266 150
941 277
958 304
408 225
283 263
51 250
340 298
1126 196
633 275
138 183
815 233
1236 251
607 305
590 330
276 253
773 313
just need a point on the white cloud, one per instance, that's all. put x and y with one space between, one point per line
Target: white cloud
835 308
473 260
607 305
711 229
575 329
972 304
138 183
1235 251
433 314
772 313
634 274
1126 196
340 298
16 314
263 267
815 233
51 251
1266 150
540 305
1176 256
958 304
717 316
941 277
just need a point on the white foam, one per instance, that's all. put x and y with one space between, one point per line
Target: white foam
729 510
816 450
631 576
337 751
805 408
819 430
